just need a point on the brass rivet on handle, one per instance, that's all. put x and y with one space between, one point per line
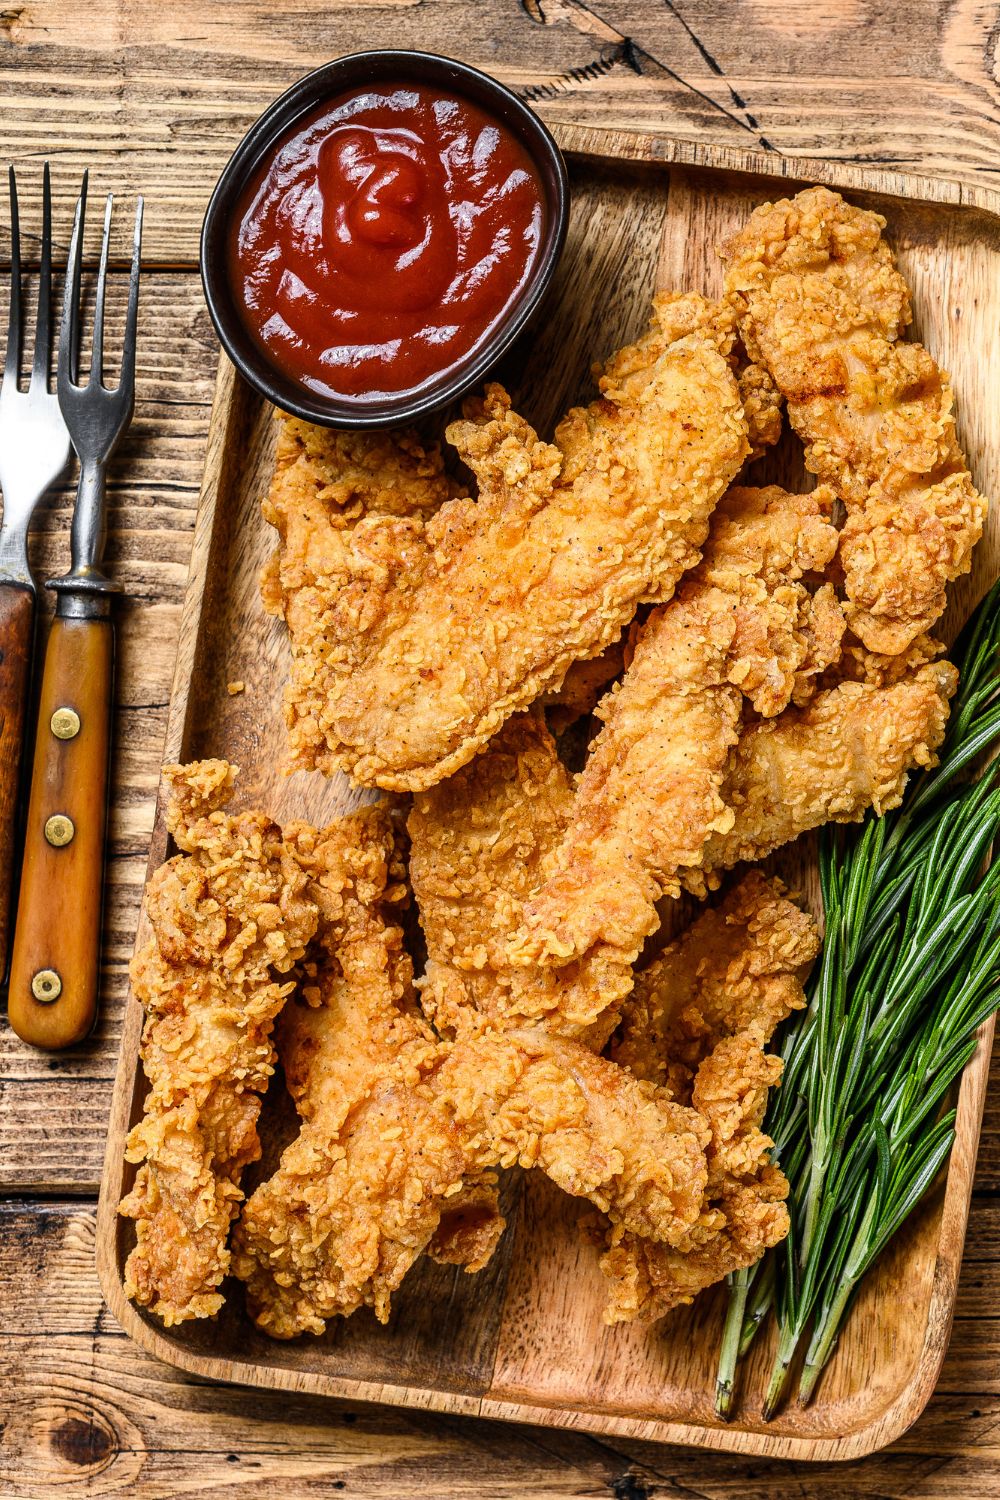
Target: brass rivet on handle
46 986
59 830
65 723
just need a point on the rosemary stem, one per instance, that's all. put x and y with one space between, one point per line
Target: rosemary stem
725 1380
813 1199
823 1340
763 1279
910 967
787 1344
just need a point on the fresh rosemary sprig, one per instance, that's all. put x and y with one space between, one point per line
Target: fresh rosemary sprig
910 969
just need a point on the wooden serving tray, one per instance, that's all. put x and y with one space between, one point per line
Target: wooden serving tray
524 1339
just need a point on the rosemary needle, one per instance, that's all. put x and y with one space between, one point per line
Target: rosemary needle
909 971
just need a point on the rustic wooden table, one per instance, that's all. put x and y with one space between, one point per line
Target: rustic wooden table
154 97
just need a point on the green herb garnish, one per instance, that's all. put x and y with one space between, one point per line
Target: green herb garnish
910 969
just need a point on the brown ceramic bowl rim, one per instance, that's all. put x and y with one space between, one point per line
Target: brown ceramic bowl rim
325 83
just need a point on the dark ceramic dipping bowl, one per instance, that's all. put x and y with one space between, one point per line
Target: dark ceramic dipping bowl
326 83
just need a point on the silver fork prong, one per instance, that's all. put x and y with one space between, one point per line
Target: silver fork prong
127 378
12 363
69 336
40 363
97 348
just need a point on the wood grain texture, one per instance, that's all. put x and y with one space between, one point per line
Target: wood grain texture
157 97
58 930
17 631
530 1344
89 1412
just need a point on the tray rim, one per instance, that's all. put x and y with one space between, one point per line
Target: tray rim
600 145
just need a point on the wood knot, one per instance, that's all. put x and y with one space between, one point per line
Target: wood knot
85 1442
630 1487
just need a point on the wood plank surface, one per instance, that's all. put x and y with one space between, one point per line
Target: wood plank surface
157 97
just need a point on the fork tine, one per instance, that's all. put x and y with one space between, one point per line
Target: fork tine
127 378
12 363
40 365
69 343
97 349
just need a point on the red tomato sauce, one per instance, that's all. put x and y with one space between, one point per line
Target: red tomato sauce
384 238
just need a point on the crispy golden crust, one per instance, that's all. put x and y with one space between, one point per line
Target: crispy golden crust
230 916
536 1094
349 509
530 1098
762 404
646 1279
480 843
677 315
821 305
378 1172
742 625
370 1181
697 1024
413 641
740 966
850 749
584 686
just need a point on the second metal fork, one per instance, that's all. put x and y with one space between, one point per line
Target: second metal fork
52 996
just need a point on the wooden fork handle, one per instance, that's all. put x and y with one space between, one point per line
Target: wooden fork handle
17 632
52 997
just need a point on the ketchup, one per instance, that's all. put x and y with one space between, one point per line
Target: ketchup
384 238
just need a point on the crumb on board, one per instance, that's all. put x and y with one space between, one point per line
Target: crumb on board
235 687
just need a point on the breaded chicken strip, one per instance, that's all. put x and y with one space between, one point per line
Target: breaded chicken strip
536 1094
230 917
850 749
400 1130
480 843
698 1022
822 307
675 316
378 1173
742 625
530 1098
331 577
414 640
744 1212
740 966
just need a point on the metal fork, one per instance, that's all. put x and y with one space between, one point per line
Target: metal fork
34 451
52 997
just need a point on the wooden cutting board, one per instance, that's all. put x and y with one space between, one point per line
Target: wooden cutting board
524 1339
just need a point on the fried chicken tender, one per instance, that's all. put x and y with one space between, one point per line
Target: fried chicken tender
401 1131
378 1173
744 1215
742 625
479 844
740 966
230 917
850 749
675 316
521 1074
414 639
821 305
697 1023
535 1099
